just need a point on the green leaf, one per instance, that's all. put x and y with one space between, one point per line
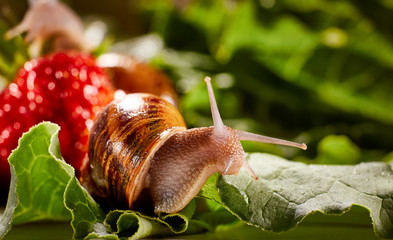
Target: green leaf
135 225
129 224
124 224
289 191
209 190
41 174
38 179
86 213
6 218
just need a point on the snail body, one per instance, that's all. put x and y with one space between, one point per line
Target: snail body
185 174
140 143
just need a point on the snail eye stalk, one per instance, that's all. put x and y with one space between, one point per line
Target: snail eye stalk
219 127
246 136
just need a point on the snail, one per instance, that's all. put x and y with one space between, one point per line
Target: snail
51 19
139 146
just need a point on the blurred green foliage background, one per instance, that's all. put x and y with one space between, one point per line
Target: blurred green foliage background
313 71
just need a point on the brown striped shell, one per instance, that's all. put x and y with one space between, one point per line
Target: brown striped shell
125 137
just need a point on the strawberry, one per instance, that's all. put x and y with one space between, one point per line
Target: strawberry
67 88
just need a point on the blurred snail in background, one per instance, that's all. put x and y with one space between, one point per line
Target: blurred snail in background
51 20
139 148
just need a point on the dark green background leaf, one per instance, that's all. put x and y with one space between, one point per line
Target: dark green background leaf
13 54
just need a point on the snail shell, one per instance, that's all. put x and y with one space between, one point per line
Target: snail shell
122 143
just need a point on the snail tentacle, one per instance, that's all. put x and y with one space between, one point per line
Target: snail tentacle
247 136
219 127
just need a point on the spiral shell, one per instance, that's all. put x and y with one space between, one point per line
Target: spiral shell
122 143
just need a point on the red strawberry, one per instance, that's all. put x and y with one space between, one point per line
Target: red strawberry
67 88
